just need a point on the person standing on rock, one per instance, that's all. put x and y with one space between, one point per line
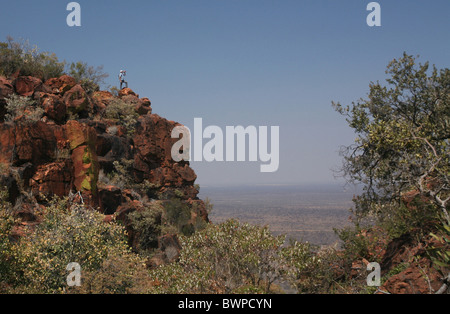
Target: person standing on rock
122 75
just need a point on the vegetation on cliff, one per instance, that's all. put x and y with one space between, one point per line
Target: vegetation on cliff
401 157
87 177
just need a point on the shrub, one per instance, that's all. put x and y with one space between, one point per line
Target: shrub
114 90
89 77
178 214
17 106
440 252
300 260
68 233
402 137
398 219
148 189
147 225
355 244
7 222
225 258
118 274
121 176
21 58
123 113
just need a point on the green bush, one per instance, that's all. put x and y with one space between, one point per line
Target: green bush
123 113
398 219
147 225
355 244
402 137
68 233
227 258
440 252
301 264
118 274
178 214
89 77
21 58
17 106
7 222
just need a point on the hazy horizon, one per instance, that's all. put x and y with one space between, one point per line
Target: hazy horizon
301 212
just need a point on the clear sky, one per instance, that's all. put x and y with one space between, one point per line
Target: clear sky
244 62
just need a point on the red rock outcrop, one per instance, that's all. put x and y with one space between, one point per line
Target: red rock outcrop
6 89
77 101
60 85
153 160
54 107
417 274
55 177
418 278
59 156
406 267
27 85
127 92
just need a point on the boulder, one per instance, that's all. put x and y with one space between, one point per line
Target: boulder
169 251
35 143
61 85
54 107
101 100
143 106
122 215
53 179
170 245
126 92
27 85
77 101
8 181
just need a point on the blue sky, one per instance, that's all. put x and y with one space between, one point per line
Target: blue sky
244 62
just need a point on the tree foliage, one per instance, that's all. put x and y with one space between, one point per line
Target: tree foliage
226 258
23 59
68 233
403 131
89 77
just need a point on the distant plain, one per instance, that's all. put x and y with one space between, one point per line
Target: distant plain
304 213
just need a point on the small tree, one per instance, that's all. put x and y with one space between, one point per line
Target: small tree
23 59
68 233
88 76
229 257
403 131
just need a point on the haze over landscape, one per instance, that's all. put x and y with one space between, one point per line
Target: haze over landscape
301 212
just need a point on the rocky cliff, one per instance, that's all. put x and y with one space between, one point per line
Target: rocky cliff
85 144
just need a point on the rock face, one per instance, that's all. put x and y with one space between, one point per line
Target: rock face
406 267
417 276
6 89
73 146
153 160
27 85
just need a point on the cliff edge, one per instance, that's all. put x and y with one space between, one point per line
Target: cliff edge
108 151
